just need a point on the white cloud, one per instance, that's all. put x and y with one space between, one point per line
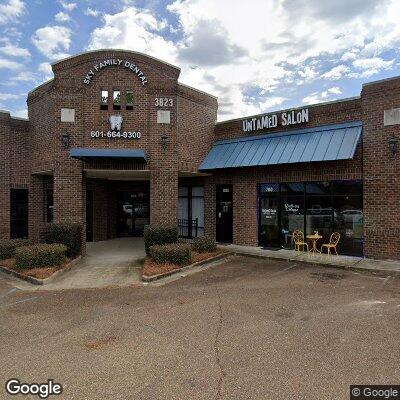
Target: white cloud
91 12
45 68
15 51
326 95
53 41
9 96
62 17
336 73
373 63
133 29
68 6
334 90
272 102
24 76
11 10
229 50
23 113
8 64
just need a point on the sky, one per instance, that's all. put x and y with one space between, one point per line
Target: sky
256 56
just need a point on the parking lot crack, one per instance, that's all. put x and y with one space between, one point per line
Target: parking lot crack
217 350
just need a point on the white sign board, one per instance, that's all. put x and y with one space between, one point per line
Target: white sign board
391 117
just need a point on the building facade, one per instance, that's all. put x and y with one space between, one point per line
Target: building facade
114 142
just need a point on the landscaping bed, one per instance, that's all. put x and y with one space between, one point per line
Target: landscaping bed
37 272
154 269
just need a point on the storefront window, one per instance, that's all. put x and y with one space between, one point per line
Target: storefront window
348 221
191 211
292 212
326 207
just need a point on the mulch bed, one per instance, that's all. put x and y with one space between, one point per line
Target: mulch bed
38 273
151 268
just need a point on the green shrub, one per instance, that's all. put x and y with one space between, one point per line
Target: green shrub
158 235
174 253
67 234
40 255
7 247
204 244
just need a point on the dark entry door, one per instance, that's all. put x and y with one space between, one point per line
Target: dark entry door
89 216
224 213
133 212
19 213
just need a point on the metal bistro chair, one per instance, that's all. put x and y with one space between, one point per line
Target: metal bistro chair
299 242
333 242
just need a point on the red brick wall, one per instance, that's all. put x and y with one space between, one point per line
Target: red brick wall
381 171
14 163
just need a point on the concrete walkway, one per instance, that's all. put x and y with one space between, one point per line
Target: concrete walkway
107 263
357 263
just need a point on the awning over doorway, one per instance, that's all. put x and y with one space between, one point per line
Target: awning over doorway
323 143
89 154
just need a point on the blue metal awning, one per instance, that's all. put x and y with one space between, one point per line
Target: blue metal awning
88 154
323 143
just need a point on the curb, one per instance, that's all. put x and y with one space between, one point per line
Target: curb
37 281
176 271
354 267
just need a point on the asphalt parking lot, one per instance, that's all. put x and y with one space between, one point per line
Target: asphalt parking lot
246 329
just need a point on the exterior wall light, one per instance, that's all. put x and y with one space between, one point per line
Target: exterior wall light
164 141
66 140
393 145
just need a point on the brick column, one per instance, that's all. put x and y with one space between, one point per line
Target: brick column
4 175
164 197
209 207
70 194
381 171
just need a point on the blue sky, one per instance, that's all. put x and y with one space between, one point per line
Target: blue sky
256 56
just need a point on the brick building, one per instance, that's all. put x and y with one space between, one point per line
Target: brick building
115 142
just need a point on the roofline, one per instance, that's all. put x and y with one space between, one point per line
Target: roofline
197 90
290 132
381 80
126 51
38 87
291 109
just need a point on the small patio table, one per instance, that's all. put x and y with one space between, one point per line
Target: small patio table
314 238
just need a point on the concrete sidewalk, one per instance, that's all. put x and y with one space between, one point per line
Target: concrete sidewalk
356 263
107 263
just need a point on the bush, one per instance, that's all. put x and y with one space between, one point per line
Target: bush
204 244
7 247
69 235
158 235
174 253
40 255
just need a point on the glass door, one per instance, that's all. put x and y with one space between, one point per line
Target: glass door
269 235
133 212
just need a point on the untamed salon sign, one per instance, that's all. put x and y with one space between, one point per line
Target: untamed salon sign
115 62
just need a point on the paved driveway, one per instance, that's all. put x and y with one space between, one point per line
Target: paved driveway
246 329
